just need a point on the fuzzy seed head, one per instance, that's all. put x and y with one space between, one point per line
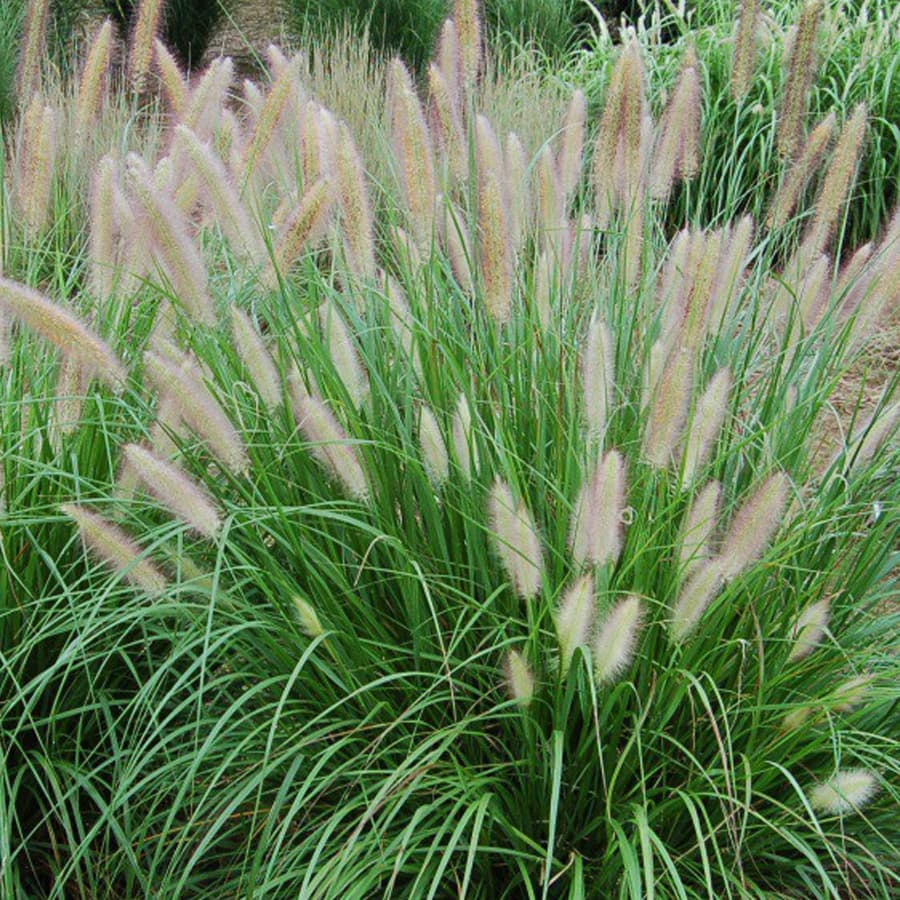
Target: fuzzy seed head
801 64
467 18
255 356
706 425
519 678
330 444
496 255
694 598
800 172
465 449
434 450
754 525
355 206
196 406
597 531
597 373
413 152
143 38
172 78
37 163
28 74
206 101
308 618
516 540
699 524
809 629
92 85
571 152
62 329
112 545
303 226
744 49
167 229
574 618
668 408
851 693
615 640
447 123
222 195
175 490
342 350
838 180
845 792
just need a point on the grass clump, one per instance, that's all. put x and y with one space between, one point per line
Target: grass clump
452 531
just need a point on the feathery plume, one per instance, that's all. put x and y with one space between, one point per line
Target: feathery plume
449 61
465 448
838 179
801 65
304 225
62 329
729 277
653 368
103 257
597 532
844 792
270 116
467 18
801 170
455 236
809 629
308 618
551 203
571 152
172 78
853 269
206 103
517 180
255 356
668 408
706 424
694 598
342 351
198 408
604 172
754 525
328 441
172 243
114 547
28 74
615 640
70 388
355 207
851 693
175 490
146 29
412 151
868 438
38 159
678 144
744 49
573 619
597 377
699 524
434 450
93 82
222 194
519 679
495 246
516 540
447 123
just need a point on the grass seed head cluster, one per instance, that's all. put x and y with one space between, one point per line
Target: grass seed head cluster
480 520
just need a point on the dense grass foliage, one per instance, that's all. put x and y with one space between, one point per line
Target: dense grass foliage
392 505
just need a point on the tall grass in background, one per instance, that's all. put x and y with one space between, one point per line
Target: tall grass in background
856 52
398 511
